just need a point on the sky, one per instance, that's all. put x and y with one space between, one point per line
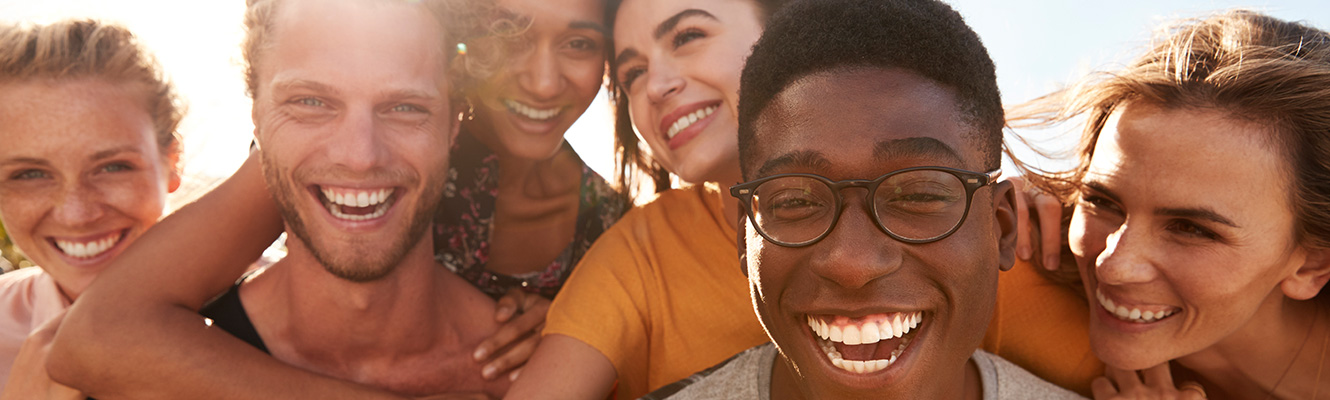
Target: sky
1037 46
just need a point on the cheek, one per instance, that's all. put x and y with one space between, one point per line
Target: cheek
141 198
20 212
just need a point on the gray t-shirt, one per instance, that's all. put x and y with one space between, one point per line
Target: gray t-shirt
747 375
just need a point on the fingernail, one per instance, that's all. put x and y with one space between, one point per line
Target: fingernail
488 372
1023 252
1051 262
479 354
513 376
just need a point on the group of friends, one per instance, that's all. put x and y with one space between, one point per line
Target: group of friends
840 229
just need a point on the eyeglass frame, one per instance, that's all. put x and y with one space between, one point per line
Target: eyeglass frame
972 181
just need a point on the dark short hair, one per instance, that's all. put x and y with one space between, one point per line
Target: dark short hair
926 37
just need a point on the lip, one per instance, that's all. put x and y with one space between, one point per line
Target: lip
316 195
1112 321
533 126
92 262
686 135
889 376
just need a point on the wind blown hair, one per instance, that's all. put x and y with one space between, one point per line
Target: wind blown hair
88 49
1247 65
925 37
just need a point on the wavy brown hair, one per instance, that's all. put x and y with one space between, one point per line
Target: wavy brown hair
1250 66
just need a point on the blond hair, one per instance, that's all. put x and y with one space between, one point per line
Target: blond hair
76 49
468 22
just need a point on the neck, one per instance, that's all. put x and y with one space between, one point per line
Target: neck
399 314
786 384
1279 353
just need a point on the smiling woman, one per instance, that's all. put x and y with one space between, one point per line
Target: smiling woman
75 191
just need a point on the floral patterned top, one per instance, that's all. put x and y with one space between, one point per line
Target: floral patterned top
466 216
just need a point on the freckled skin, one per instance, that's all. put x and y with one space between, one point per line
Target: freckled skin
842 115
68 193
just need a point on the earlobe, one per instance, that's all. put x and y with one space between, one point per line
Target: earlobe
742 244
1306 282
1004 213
174 171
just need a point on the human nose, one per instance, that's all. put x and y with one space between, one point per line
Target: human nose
357 143
663 81
855 252
79 205
1125 258
539 74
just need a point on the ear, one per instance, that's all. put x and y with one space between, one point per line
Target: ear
1004 213
1306 282
173 171
742 242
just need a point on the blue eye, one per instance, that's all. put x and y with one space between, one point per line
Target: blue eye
29 174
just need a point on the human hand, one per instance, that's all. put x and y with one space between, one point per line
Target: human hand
1120 384
28 378
1049 211
523 316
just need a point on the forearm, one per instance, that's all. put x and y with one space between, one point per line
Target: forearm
564 368
135 333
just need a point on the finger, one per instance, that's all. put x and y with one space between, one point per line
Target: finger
512 330
514 357
1159 376
508 305
512 376
1050 226
1102 388
1023 249
1126 381
1191 391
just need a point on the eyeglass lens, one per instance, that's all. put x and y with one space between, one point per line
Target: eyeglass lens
916 205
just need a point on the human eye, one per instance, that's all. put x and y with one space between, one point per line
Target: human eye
793 203
309 101
629 76
407 108
1191 229
582 44
1094 202
919 197
117 167
686 36
28 174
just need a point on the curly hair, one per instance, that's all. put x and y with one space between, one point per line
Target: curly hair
77 49
926 37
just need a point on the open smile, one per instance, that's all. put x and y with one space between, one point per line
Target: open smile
1140 314
89 248
865 345
357 205
530 112
687 122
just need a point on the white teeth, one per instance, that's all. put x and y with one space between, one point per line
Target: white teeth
850 335
869 334
862 366
1130 314
87 249
834 334
335 199
530 112
872 330
688 120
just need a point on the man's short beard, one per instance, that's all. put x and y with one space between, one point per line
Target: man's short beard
375 260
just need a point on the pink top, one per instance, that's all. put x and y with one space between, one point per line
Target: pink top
28 299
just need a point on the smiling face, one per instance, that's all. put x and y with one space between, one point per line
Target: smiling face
555 71
925 307
1180 249
679 62
354 121
81 174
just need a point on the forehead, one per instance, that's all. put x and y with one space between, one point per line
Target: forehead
863 119
358 44
62 116
559 12
637 21
1240 170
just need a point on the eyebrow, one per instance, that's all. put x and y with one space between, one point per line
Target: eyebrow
671 22
800 159
1196 213
303 84
25 160
1203 213
595 26
915 147
108 153
623 57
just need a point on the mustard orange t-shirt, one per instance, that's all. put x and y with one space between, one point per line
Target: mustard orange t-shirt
1043 326
661 293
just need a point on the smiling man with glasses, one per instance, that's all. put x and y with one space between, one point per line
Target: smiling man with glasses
873 227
